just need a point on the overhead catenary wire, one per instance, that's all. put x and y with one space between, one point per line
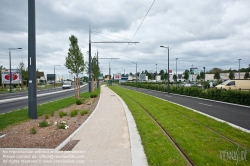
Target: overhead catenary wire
138 27
109 35
104 37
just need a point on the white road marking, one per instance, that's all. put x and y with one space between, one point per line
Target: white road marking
206 104
12 96
167 95
26 97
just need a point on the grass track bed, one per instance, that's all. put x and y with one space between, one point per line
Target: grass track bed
202 145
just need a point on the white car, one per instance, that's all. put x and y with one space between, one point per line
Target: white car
66 84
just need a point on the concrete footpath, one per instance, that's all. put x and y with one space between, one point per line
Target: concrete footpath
107 138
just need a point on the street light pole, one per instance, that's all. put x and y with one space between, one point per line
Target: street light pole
32 90
124 72
192 72
156 71
239 68
55 75
10 70
135 73
109 70
204 76
168 66
10 66
176 69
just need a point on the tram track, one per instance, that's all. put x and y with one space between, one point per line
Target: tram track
166 133
206 126
180 150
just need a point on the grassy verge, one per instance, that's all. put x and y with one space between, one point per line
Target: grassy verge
21 115
202 145
19 89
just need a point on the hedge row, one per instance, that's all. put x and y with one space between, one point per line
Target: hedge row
230 96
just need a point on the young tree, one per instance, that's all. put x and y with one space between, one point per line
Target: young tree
74 60
246 76
231 74
85 79
162 73
166 76
24 71
202 75
175 77
217 76
186 74
95 68
149 76
198 77
214 70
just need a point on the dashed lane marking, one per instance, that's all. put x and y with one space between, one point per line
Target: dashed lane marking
206 104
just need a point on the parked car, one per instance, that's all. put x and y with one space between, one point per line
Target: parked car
197 85
188 84
66 85
234 85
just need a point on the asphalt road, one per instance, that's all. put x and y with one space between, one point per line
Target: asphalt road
235 114
47 96
4 96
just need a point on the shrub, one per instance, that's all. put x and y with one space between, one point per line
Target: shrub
230 96
43 123
93 95
33 130
62 125
61 114
52 113
46 116
83 112
73 113
78 102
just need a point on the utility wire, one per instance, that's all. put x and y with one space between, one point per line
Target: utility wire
103 37
109 35
138 27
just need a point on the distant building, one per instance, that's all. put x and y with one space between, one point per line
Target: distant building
142 77
42 79
158 78
131 77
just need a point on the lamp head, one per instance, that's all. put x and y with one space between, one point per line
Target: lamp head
165 47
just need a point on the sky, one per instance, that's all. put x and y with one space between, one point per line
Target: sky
207 33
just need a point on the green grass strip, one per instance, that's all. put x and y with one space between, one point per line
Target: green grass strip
202 145
18 116
159 150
